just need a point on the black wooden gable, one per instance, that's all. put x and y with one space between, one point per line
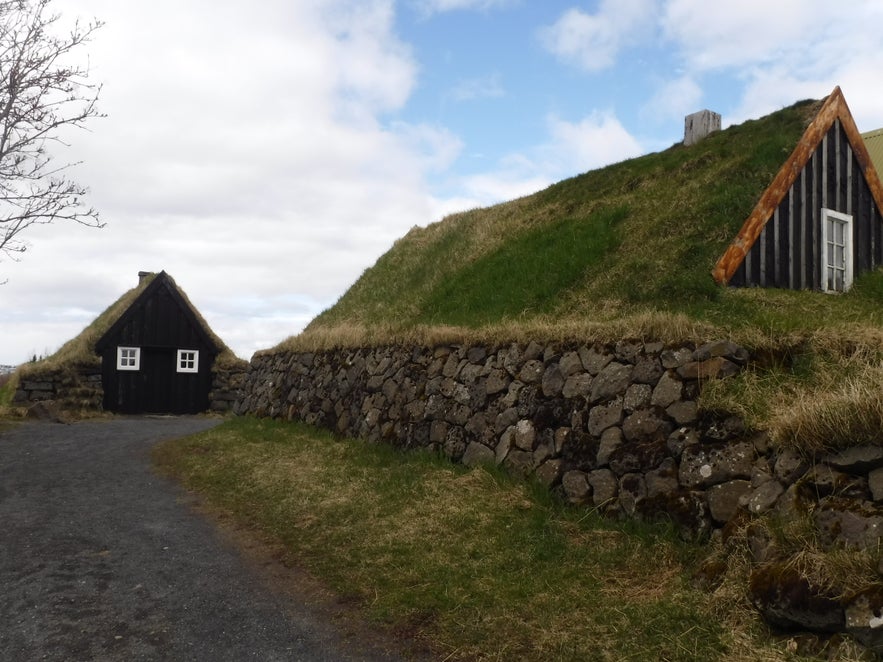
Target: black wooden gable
786 254
159 317
157 357
828 175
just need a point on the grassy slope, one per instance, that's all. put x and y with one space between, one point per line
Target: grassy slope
643 233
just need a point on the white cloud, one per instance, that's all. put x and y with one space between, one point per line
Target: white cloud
593 41
244 152
781 52
569 149
594 141
429 7
486 87
731 34
674 99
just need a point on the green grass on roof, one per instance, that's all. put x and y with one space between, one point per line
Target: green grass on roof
642 233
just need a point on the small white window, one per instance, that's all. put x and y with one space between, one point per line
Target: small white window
188 360
128 358
836 251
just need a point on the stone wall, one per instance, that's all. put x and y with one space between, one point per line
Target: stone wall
79 388
616 427
71 388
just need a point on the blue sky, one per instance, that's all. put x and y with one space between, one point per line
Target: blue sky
265 154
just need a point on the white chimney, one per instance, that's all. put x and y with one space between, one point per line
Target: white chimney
698 125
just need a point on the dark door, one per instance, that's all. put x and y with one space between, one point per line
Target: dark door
158 368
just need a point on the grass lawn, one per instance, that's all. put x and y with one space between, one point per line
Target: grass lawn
474 564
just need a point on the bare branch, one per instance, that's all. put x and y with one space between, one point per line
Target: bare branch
40 93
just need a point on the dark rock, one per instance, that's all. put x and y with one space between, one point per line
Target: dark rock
632 491
856 459
604 416
841 521
595 358
519 462
497 381
663 479
725 348
553 381
668 391
628 350
455 444
476 354
613 380
604 487
570 364
576 486
637 396
683 412
724 499
576 385
716 368
580 451
822 481
863 613
875 484
637 457
675 358
790 466
710 464
648 370
525 435
549 472
763 498
716 427
680 439
788 600
685 509
531 372
645 424
611 439
476 454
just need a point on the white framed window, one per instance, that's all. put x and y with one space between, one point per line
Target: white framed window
128 358
836 251
188 360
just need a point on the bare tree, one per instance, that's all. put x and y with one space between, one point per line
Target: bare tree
42 91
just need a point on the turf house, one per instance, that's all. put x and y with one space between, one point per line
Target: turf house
818 224
150 352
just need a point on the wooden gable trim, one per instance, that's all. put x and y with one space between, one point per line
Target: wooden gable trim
832 109
162 279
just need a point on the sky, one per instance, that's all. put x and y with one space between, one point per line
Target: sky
265 154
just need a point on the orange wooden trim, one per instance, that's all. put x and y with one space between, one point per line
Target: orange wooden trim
734 255
862 156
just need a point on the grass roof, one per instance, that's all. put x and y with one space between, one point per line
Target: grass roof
80 350
634 237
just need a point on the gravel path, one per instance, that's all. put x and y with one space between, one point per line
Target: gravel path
102 559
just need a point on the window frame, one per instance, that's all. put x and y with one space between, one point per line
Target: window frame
185 357
847 269
129 358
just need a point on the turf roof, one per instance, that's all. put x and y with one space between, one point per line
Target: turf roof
646 230
80 350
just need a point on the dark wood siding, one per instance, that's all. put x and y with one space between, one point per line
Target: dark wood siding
787 251
159 322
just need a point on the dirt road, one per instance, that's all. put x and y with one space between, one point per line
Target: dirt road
102 559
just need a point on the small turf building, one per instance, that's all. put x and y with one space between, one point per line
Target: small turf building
818 225
149 352
158 355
